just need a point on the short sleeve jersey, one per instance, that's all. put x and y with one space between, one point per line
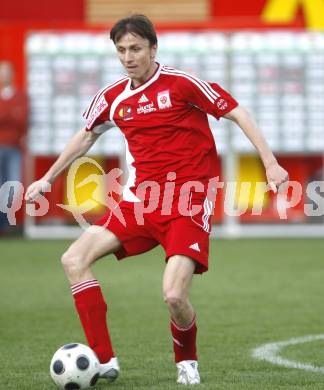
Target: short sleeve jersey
165 125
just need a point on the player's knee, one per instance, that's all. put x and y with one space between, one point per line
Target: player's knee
72 262
174 300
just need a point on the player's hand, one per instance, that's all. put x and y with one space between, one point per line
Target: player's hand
36 189
277 177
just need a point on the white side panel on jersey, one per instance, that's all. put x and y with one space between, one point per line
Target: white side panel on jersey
128 92
127 193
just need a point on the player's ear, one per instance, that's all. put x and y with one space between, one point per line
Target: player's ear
153 51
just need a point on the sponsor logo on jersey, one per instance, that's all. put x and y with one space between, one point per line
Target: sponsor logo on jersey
164 100
125 113
221 104
143 99
146 109
98 109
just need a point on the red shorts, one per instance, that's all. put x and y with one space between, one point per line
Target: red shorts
178 234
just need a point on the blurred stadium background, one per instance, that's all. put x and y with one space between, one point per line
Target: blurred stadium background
268 53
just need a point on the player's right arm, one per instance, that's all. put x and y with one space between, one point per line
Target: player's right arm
78 145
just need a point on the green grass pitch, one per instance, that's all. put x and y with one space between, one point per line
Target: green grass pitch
257 291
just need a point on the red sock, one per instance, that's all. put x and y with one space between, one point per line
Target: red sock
184 341
92 310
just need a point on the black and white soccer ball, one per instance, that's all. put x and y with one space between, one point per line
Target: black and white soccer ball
74 366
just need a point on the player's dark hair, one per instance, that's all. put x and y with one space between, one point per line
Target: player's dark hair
134 24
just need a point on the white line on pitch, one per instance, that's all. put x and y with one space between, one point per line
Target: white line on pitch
270 353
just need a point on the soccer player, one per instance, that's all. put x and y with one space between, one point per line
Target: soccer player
162 113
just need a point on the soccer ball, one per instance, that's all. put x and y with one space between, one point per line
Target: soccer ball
74 366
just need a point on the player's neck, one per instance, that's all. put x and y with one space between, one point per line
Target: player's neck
146 76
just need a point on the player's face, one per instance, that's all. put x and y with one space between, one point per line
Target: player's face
137 56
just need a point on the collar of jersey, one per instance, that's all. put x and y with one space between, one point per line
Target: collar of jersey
128 92
148 82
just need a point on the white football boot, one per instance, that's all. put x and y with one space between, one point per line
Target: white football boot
188 372
110 370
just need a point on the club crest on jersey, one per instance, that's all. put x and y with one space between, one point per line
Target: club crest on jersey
97 110
125 113
164 100
221 104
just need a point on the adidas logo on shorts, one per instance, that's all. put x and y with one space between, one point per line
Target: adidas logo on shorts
195 247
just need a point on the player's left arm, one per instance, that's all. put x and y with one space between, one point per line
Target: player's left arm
276 175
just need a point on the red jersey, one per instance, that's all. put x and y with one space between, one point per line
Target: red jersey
165 124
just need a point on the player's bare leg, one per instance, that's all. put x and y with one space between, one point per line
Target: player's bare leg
93 244
176 284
